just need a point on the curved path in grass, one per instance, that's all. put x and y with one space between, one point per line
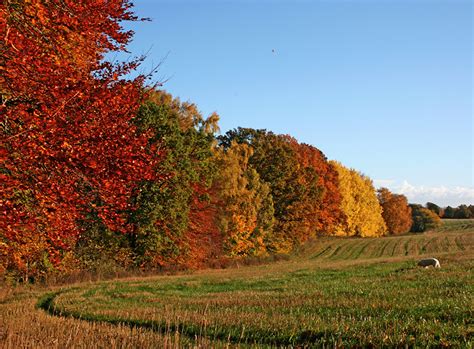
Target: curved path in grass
348 292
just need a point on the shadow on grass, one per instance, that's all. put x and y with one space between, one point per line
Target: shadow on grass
233 335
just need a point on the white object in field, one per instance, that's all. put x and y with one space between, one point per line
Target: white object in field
429 262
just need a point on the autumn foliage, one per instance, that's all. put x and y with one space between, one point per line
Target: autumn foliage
98 170
395 211
68 146
303 185
329 211
361 209
176 218
246 218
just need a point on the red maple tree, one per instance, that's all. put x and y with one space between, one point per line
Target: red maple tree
67 143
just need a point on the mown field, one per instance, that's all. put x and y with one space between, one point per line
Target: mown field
343 292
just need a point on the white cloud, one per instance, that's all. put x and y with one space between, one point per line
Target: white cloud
440 195
383 182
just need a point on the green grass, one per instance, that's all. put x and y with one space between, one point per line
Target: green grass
338 291
456 225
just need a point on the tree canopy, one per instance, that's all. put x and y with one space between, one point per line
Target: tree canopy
361 209
68 148
423 219
100 170
395 211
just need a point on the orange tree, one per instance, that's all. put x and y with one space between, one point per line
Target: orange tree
68 148
395 211
328 210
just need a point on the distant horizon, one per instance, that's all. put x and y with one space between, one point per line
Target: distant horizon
382 87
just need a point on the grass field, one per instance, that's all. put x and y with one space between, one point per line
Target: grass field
343 292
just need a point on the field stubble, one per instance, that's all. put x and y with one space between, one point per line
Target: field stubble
335 292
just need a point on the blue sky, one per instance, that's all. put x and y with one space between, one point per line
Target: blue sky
382 86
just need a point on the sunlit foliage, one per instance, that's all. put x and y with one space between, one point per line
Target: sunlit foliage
98 170
246 216
164 208
302 184
395 211
68 148
363 213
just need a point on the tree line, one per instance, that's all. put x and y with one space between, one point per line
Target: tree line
461 212
99 169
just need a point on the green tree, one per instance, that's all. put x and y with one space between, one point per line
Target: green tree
471 209
449 212
424 219
435 208
100 249
462 212
164 208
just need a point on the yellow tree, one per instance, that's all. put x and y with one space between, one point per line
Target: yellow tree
246 213
360 206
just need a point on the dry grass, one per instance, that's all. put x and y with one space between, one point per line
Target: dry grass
24 326
336 292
